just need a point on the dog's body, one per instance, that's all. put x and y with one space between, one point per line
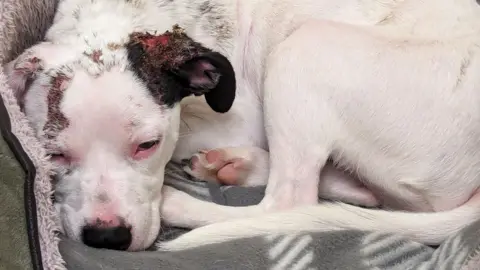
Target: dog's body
386 89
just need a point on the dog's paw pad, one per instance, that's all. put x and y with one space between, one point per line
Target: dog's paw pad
233 173
215 166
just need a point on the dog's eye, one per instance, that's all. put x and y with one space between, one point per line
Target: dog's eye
58 157
147 145
145 150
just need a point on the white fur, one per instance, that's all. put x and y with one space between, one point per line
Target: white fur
387 89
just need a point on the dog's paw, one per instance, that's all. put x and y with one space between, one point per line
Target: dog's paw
230 166
215 165
338 185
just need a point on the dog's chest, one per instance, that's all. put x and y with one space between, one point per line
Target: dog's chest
203 129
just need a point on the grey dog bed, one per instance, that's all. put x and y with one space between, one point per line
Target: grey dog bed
28 238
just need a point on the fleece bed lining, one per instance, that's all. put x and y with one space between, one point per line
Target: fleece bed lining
29 187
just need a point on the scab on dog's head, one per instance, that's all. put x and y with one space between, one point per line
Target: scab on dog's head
174 66
111 134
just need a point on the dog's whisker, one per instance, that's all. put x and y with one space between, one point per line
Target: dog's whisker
200 117
186 124
185 135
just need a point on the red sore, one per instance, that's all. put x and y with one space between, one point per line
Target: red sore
58 82
56 120
166 51
96 56
153 41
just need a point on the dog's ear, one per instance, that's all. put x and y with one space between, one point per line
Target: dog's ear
212 75
21 72
174 66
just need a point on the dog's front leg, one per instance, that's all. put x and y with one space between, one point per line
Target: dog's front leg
182 210
242 166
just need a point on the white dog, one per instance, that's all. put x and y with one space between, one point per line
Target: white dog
385 89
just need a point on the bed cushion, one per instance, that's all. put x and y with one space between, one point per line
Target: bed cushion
14 246
27 230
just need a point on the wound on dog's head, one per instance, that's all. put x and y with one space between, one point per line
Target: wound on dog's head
173 66
56 120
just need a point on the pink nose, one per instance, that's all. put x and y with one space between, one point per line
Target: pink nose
106 220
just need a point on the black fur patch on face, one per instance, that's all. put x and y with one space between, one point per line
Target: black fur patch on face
154 57
173 66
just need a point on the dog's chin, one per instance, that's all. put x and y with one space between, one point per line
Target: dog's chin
69 222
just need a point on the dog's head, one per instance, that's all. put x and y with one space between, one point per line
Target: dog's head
111 133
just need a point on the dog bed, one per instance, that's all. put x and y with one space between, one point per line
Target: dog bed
27 220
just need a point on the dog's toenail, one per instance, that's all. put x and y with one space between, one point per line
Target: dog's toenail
186 162
190 163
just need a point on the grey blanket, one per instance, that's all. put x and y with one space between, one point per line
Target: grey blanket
333 250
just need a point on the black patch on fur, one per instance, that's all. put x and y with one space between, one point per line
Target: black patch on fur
173 66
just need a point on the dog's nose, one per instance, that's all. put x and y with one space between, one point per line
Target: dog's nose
117 238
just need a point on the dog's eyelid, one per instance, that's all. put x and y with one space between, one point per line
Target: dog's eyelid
56 155
149 144
59 157
151 139
145 149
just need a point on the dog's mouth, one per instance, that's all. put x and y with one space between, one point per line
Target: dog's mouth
144 237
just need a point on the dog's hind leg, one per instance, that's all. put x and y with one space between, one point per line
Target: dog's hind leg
337 185
300 129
